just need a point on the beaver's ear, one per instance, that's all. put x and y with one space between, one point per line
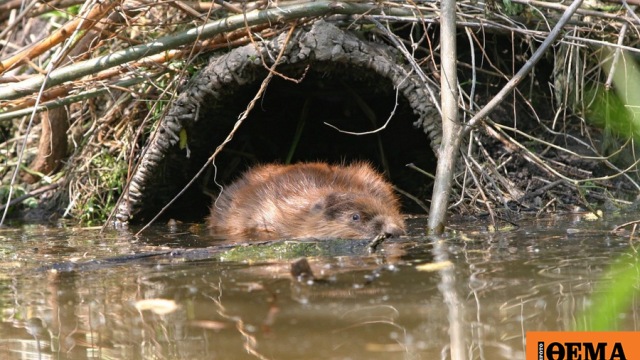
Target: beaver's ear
334 204
332 199
326 204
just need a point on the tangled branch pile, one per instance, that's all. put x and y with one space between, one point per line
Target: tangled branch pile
108 71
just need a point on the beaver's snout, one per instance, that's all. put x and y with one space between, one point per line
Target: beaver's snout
392 230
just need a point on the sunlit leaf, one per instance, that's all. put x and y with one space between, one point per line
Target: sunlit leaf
157 306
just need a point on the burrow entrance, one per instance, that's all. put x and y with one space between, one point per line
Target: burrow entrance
343 84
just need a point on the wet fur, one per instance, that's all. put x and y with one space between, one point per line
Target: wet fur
308 200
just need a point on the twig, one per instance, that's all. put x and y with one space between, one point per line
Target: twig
375 131
548 204
530 156
59 92
519 76
373 244
412 166
633 233
30 194
634 222
480 190
280 14
631 10
616 57
18 18
414 65
542 190
71 99
415 199
80 23
50 68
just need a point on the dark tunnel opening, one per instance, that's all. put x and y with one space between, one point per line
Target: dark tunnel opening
290 123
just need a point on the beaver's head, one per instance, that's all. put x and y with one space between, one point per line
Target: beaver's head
355 215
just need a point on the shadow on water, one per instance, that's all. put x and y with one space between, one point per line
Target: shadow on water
178 293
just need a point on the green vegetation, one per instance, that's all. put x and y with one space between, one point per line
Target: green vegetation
291 249
106 178
621 285
617 112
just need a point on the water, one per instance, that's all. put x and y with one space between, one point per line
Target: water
70 293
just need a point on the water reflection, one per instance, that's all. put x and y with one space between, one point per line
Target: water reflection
172 293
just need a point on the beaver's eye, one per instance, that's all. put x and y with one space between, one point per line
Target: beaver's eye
355 217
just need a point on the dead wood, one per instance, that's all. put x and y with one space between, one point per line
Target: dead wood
53 145
80 23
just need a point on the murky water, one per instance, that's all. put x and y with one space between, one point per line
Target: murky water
177 294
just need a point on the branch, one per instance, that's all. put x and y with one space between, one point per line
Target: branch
280 14
79 23
555 32
451 137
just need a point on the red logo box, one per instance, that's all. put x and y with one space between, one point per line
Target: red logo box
588 345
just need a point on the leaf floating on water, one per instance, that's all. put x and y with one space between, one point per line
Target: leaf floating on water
464 237
434 266
593 216
506 227
208 324
251 286
157 306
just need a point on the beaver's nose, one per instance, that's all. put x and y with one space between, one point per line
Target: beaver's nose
392 230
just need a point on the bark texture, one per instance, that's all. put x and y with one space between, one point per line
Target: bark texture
52 148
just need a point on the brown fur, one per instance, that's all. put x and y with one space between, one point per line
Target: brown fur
308 200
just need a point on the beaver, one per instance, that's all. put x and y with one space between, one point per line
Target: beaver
308 200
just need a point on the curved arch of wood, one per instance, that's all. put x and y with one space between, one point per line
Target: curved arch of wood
322 43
